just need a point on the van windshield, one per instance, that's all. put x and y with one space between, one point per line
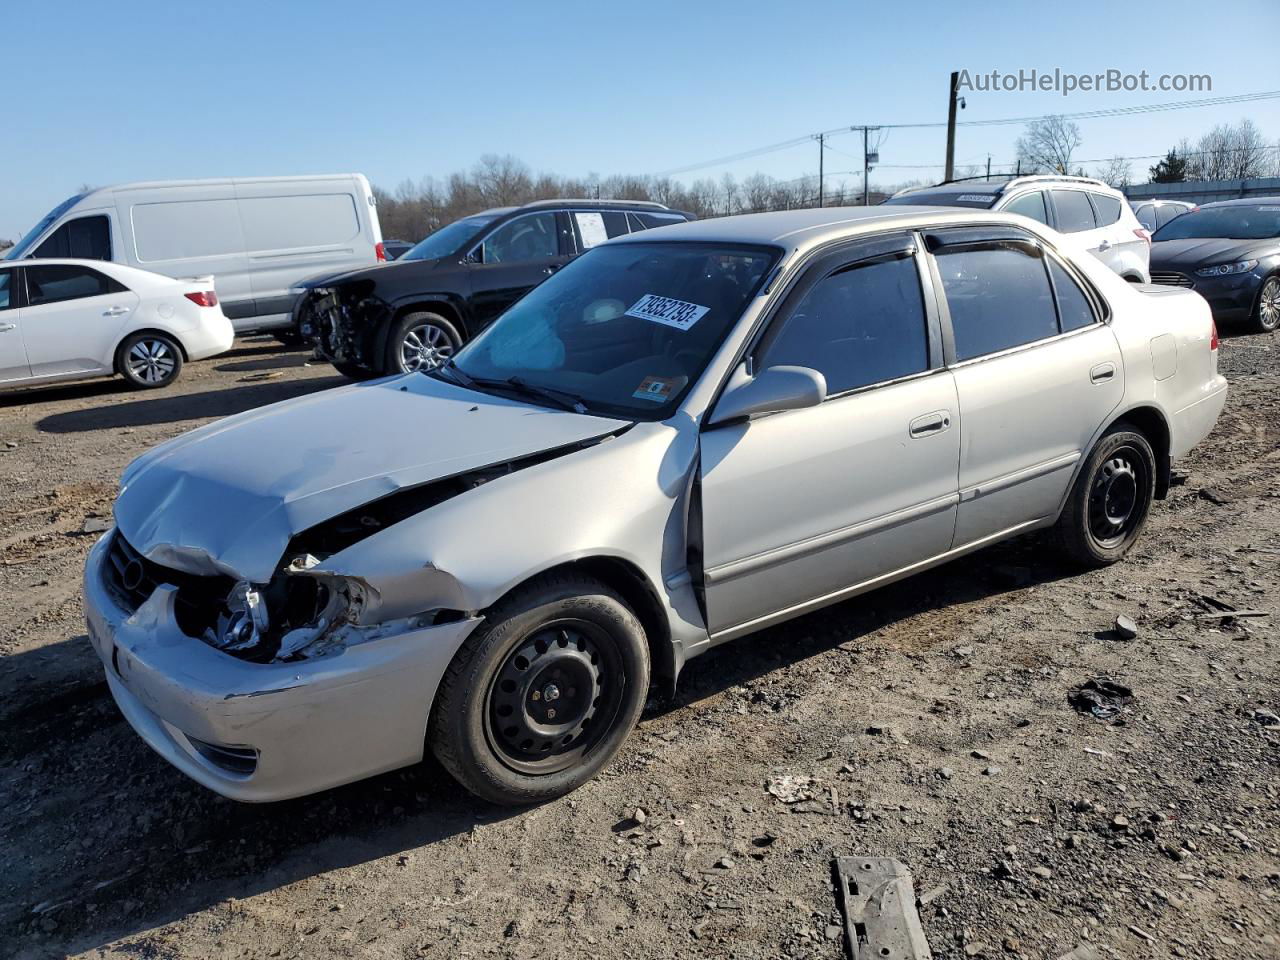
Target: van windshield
19 250
448 239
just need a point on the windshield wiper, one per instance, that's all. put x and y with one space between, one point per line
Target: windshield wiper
455 372
561 398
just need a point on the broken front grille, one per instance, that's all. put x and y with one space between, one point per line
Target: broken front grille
133 579
1171 279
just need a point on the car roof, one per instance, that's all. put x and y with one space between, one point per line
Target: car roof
1242 202
804 229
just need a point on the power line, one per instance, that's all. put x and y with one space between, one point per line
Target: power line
1083 115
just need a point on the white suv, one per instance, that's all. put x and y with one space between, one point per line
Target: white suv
1092 216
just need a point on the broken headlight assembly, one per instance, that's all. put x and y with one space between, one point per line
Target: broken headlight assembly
284 619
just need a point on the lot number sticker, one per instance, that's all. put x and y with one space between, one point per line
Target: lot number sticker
657 389
664 310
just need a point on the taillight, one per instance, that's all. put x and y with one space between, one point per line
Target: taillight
206 298
1213 334
380 251
1142 234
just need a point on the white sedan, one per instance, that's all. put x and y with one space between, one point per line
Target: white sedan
75 319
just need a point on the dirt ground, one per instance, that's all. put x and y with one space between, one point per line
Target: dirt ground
932 718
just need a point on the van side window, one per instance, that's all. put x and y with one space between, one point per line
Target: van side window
57 282
863 324
84 238
998 295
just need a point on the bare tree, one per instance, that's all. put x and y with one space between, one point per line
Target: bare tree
1230 152
1047 145
1116 172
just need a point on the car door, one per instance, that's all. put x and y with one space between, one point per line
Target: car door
514 258
13 353
802 507
72 318
1037 372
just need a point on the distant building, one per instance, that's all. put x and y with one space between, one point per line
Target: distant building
1205 191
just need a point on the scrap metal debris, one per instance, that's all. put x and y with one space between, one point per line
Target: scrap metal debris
1101 698
879 907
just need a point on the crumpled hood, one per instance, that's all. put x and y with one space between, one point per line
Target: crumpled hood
1192 253
228 497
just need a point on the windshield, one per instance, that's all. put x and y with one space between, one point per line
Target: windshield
448 239
624 330
1242 222
977 198
19 250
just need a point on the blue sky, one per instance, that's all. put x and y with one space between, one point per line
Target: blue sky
106 93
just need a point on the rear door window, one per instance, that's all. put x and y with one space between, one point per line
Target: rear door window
863 324
595 227
1107 208
1029 205
58 283
1074 309
998 295
1074 212
84 238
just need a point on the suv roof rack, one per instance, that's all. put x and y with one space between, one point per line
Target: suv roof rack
653 204
1062 178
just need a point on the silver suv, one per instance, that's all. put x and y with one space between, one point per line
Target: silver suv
1092 216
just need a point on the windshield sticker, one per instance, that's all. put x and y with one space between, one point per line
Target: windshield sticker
664 310
657 389
591 229
975 198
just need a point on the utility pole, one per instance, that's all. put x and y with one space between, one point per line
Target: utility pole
822 137
951 126
988 166
866 169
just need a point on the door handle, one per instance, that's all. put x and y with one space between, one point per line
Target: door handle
1102 373
6 327
930 423
115 311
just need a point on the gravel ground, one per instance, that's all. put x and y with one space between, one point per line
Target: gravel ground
927 722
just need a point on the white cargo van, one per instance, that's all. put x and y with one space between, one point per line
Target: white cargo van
257 237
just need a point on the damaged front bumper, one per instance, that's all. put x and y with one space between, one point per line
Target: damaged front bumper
266 731
342 325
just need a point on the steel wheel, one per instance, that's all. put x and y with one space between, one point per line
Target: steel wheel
1115 496
151 361
424 347
553 698
1269 304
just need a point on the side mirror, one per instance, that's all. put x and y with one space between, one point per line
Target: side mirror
774 389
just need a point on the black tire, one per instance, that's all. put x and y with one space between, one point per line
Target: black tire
560 638
1266 312
355 372
1111 499
148 360
436 339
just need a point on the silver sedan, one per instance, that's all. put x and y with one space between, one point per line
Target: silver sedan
682 437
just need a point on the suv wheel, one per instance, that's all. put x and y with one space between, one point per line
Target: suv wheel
149 360
541 696
1266 315
421 341
1111 499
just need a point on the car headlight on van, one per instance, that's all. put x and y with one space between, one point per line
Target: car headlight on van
1227 269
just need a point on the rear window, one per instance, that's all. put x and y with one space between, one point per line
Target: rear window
282 223
977 198
186 230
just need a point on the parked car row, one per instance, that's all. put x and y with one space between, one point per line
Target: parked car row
678 437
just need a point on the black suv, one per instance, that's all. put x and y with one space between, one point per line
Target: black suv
413 313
